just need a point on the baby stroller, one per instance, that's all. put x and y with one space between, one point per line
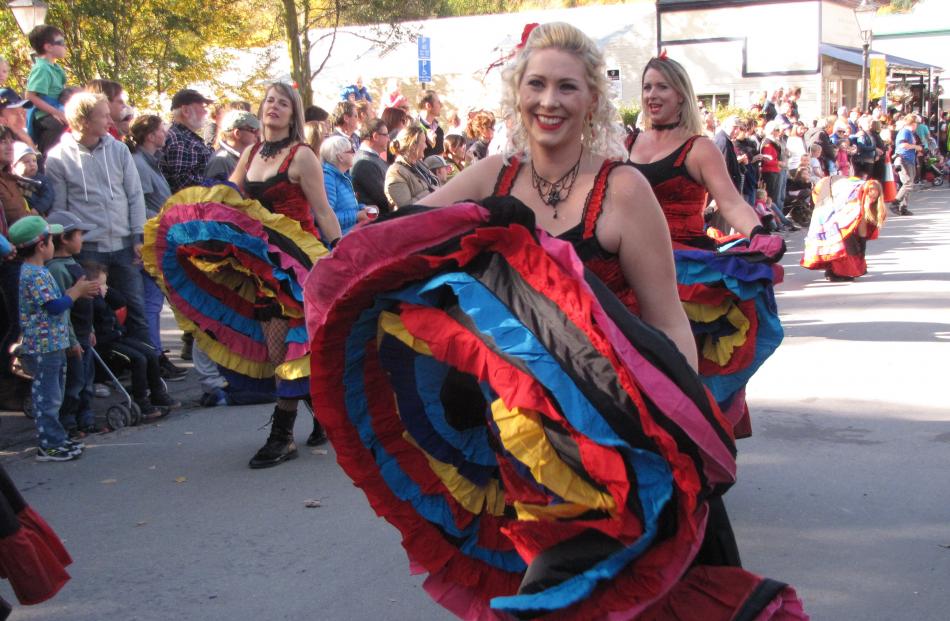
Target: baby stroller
118 415
798 202
933 170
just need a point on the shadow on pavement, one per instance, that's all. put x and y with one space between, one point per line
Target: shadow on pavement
822 502
874 331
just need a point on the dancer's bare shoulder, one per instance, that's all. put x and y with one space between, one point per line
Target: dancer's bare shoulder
475 182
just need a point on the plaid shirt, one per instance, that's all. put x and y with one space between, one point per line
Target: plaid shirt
184 158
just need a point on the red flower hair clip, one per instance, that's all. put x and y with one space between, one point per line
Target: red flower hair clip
525 33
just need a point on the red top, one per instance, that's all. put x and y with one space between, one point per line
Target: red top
280 195
769 165
683 199
606 265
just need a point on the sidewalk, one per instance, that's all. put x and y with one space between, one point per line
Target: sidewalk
17 432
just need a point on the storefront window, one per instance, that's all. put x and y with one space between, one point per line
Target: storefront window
714 101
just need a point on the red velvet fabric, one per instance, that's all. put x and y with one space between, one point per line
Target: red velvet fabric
34 560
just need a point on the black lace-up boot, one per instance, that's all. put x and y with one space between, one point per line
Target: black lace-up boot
280 443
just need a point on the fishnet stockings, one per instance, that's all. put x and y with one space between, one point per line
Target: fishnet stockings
275 336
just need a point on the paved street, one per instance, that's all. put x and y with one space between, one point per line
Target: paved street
843 489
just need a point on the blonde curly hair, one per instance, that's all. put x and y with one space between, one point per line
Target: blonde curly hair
604 134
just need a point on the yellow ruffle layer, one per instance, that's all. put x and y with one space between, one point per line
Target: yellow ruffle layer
720 349
230 273
522 434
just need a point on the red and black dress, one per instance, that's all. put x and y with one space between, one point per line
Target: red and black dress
227 262
280 195
682 198
730 301
604 264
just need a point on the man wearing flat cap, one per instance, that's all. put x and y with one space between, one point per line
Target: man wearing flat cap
185 155
239 130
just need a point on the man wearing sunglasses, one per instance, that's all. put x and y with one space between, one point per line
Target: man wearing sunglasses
239 130
45 86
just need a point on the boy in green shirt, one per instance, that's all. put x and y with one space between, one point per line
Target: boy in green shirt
45 85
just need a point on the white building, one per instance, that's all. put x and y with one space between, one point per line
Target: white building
733 50
922 34
462 48
736 49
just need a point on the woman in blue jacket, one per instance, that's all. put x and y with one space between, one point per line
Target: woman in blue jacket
337 152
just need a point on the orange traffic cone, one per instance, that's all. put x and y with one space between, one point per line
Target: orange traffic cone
890 186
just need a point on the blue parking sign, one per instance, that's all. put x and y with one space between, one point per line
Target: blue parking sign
425 48
425 70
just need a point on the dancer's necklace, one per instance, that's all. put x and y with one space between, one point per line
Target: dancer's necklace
665 126
271 148
553 192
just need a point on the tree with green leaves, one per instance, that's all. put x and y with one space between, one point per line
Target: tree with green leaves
308 23
15 50
902 6
150 46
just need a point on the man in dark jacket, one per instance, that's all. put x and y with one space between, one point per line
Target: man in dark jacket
747 154
239 130
369 165
821 136
723 139
430 107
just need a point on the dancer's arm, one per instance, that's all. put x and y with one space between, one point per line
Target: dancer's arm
634 227
308 172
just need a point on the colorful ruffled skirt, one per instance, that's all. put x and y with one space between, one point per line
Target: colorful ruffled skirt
729 298
832 242
542 452
226 264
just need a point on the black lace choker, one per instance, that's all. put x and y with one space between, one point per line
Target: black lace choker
269 149
665 126
554 192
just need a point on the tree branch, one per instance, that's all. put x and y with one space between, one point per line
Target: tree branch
336 27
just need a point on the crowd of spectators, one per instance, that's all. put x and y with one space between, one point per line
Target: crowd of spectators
84 154
770 147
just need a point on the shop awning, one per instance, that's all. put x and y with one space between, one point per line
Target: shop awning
855 55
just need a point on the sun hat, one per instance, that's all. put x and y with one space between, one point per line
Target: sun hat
10 99
434 162
30 229
21 149
188 96
69 221
239 119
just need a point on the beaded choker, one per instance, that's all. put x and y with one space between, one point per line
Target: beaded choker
553 192
269 149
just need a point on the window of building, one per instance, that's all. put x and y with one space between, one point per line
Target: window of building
714 101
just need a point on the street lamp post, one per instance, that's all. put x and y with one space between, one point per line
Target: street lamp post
865 13
28 13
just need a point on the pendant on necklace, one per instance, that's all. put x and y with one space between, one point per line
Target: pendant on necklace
554 197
